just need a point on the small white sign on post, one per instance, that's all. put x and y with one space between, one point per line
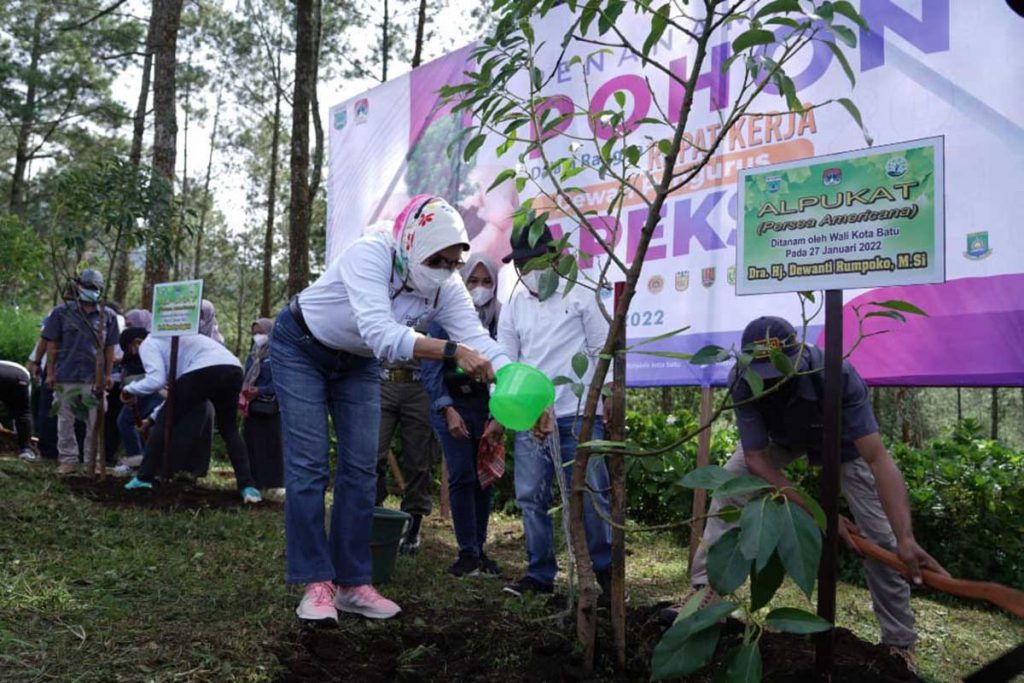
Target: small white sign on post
176 308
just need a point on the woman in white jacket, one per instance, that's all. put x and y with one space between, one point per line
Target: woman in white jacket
368 304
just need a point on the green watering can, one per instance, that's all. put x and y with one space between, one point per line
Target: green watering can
521 395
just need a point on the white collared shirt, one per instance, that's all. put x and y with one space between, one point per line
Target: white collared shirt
195 352
351 307
547 334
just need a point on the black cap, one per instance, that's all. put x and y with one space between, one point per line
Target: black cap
130 335
769 332
521 248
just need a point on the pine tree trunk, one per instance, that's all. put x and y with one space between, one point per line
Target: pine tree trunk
667 401
167 16
123 271
316 172
205 209
27 123
995 413
299 211
421 24
959 407
268 238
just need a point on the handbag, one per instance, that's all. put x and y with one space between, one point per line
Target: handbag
264 407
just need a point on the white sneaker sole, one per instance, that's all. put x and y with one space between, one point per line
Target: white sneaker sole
325 619
368 612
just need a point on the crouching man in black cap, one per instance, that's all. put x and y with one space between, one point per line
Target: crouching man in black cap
785 424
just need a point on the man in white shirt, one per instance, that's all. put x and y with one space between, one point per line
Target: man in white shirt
547 334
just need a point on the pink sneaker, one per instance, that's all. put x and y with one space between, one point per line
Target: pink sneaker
318 603
365 600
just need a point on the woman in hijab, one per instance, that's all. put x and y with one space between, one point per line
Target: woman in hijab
461 418
368 304
261 429
208 322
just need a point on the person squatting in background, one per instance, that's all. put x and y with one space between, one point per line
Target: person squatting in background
367 305
76 333
206 371
132 417
261 426
16 396
460 415
547 334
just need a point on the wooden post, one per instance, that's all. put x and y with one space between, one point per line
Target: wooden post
832 422
446 503
396 471
617 476
700 496
172 380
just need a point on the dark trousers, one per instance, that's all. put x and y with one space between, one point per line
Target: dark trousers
405 405
15 395
220 385
262 434
46 424
471 505
111 434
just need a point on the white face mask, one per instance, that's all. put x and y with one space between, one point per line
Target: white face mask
531 280
425 280
260 339
481 295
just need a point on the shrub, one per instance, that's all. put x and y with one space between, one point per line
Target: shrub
19 332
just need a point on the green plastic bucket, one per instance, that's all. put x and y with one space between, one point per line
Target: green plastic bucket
388 528
521 395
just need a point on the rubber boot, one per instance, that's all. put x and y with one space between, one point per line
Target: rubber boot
411 543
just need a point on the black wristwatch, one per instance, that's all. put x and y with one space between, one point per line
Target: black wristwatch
450 348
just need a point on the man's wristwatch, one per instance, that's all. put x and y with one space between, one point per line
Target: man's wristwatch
450 348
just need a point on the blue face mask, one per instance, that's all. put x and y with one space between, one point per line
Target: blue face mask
88 295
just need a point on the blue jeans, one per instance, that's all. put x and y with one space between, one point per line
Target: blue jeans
311 380
471 505
534 476
130 437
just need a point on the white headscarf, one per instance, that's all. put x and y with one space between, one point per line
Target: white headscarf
427 225
208 322
489 311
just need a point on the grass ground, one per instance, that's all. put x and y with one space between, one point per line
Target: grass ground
93 592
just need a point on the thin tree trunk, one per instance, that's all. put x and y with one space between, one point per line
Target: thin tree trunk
184 171
959 407
28 115
299 211
123 276
268 238
316 173
667 400
421 24
205 209
995 413
167 15
901 413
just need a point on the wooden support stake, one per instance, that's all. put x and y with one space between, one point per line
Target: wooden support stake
446 502
396 471
700 496
172 380
832 419
617 476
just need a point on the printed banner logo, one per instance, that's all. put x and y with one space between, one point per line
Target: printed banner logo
340 119
896 167
682 280
832 176
656 284
977 246
773 184
730 275
707 276
362 110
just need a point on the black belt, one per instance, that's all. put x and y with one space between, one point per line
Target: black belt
296 311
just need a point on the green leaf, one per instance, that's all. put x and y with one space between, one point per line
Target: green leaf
667 354
892 315
730 514
778 7
755 382
632 154
561 379
765 581
707 477
845 35
709 355
781 362
752 37
727 568
898 305
473 146
800 547
855 115
666 335
673 657
792 620
760 529
580 363
665 146
742 485
745 666
548 284
659 22
788 90
843 61
507 174
816 512
620 98
846 9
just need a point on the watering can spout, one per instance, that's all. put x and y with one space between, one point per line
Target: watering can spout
521 395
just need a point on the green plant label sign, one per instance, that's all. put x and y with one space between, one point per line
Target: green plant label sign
176 307
869 218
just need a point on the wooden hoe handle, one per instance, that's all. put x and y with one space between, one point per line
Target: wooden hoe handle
1001 596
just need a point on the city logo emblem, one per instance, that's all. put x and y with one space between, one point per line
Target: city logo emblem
707 276
773 184
682 280
896 167
977 246
340 119
656 284
832 176
730 275
362 110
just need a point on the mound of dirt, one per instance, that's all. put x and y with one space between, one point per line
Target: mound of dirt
175 495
